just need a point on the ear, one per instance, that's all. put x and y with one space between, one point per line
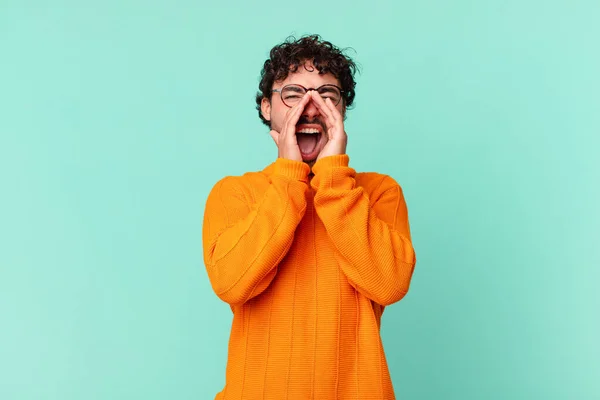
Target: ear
265 108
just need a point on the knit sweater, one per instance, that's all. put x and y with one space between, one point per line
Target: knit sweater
307 263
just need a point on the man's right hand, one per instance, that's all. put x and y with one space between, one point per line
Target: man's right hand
286 140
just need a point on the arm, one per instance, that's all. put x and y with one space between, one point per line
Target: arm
243 243
372 236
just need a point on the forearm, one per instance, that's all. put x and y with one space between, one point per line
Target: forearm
241 256
371 235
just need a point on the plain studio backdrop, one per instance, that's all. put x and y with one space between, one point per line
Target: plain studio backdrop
117 117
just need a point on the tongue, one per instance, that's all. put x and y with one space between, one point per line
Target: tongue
306 142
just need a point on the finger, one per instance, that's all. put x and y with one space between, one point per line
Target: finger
291 111
294 116
334 110
275 135
323 108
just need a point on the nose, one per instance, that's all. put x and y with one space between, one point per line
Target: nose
310 110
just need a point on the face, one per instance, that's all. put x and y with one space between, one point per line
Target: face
275 110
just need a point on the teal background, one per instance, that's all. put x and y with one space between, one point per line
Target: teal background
117 117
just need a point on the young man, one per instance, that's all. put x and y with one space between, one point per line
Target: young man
307 252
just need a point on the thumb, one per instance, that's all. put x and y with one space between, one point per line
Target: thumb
275 135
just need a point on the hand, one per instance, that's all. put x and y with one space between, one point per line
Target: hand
337 138
286 140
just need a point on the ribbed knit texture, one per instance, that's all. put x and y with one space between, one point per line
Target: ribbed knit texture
308 264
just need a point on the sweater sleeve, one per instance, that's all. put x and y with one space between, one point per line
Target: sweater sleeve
244 242
372 236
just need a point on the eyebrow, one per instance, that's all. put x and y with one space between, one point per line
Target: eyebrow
327 89
296 88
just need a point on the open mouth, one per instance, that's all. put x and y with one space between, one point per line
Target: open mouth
309 138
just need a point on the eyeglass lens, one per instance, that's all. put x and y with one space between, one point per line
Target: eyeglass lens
292 94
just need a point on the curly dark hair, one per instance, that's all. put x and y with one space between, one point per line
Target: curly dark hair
289 55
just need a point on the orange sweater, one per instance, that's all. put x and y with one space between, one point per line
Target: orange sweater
307 264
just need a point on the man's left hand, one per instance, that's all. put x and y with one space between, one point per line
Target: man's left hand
334 122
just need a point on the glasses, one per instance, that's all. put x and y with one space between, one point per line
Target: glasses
292 94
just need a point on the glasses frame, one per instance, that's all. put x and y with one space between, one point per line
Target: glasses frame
280 90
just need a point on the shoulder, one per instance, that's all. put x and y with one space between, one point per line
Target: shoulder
375 184
244 186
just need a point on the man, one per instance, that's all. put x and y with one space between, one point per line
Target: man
307 252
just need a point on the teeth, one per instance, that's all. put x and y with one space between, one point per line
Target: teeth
308 130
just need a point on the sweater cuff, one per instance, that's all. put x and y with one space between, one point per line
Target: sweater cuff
291 169
333 172
340 160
